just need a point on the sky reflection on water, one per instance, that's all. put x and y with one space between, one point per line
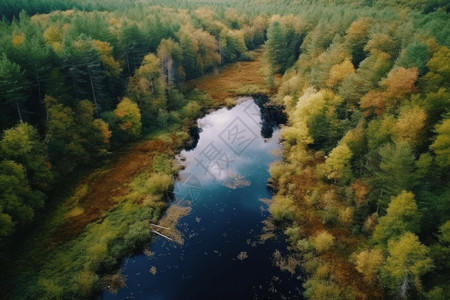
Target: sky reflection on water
223 256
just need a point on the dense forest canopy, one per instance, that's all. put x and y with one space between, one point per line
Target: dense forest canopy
74 82
363 186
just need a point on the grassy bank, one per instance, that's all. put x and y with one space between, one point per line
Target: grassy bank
106 219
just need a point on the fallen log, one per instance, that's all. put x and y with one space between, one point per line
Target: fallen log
158 226
160 234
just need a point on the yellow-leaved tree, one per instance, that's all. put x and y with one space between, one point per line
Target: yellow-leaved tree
337 164
407 262
323 241
368 263
104 49
410 125
402 216
128 118
441 145
339 72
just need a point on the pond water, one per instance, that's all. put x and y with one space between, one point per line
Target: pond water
230 249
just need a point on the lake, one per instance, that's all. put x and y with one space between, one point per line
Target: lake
230 248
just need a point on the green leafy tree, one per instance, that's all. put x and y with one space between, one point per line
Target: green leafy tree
147 87
170 54
129 119
17 201
94 133
434 102
441 145
396 172
402 216
231 45
357 37
276 47
22 144
31 52
200 51
189 46
145 80
415 55
284 38
445 232
13 84
439 70
379 132
62 138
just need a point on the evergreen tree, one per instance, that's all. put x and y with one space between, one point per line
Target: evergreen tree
14 87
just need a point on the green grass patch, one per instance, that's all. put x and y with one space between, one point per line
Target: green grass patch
72 270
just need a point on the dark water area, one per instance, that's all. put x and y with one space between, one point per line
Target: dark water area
224 255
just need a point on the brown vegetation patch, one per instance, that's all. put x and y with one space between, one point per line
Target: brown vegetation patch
286 263
234 181
305 181
345 273
170 220
342 270
223 85
242 255
106 189
268 231
113 282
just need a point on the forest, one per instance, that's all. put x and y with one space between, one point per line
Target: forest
362 192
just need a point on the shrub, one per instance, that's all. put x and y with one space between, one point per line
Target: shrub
145 184
323 241
282 208
49 289
191 110
326 289
136 235
163 163
293 233
86 281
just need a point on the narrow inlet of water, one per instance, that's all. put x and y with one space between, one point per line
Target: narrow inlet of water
230 249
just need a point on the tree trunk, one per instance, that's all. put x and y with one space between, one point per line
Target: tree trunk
169 66
220 51
404 288
93 93
18 111
72 72
128 63
39 87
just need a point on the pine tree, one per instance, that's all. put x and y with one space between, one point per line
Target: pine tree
13 84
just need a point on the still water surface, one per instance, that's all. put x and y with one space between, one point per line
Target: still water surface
223 255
